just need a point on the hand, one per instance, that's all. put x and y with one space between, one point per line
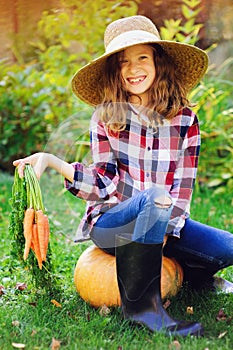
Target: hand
39 162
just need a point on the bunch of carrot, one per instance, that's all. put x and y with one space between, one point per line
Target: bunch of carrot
35 224
36 233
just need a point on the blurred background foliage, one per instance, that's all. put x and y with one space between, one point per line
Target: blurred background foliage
39 112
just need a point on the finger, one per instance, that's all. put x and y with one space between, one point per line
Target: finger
26 160
21 168
21 160
17 162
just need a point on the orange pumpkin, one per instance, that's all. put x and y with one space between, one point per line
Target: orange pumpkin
96 282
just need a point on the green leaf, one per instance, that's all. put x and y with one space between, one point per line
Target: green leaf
220 190
227 176
192 3
189 25
181 38
214 182
189 12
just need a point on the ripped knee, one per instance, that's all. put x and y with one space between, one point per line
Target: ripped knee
163 202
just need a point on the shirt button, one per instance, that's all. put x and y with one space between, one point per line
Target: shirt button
148 148
147 174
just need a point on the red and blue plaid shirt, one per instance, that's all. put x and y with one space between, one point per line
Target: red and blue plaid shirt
136 159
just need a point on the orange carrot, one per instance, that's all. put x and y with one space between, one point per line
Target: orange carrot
47 233
41 233
36 246
27 227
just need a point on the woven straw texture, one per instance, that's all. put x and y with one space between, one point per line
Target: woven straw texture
191 62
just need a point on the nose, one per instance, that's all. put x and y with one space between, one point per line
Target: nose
133 67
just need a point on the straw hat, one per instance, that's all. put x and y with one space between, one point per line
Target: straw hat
190 61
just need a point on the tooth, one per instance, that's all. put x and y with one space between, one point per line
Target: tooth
136 80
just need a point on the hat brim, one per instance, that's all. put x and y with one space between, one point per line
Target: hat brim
191 64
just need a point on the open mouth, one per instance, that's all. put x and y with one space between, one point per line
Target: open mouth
136 80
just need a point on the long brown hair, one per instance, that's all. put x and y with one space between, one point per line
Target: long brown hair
166 95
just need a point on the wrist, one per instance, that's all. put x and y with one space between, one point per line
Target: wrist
62 167
50 160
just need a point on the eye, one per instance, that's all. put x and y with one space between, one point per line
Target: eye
143 57
123 61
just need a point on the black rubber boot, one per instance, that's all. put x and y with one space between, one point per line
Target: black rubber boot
202 278
197 277
139 274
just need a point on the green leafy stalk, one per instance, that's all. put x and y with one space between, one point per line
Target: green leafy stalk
19 205
26 193
34 196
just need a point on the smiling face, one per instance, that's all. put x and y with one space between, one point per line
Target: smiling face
138 70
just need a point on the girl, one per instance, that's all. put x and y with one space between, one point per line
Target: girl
145 144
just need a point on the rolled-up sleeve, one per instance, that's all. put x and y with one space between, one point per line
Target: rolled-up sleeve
99 180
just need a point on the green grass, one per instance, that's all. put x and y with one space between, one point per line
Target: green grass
77 325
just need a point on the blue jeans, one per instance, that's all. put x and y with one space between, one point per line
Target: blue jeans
145 216
202 251
201 248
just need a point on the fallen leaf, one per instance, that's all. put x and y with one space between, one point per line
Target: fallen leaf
189 310
55 344
221 316
221 335
167 304
2 291
15 323
20 286
56 303
18 345
175 345
104 311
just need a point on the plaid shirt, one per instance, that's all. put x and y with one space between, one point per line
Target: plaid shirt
136 159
